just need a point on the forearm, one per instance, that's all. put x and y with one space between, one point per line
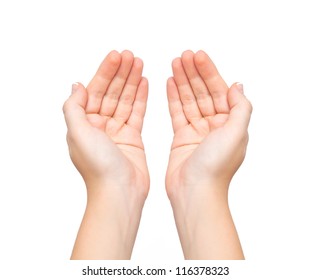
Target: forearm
207 230
107 231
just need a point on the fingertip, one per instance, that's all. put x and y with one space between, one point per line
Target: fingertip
76 87
240 87
187 55
200 57
170 82
127 52
237 88
236 96
246 101
176 62
144 81
138 62
201 53
127 55
78 94
114 57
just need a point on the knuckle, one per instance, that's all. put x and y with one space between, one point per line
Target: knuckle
66 106
246 138
187 97
114 93
127 98
200 91
68 138
250 106
216 93
97 93
72 138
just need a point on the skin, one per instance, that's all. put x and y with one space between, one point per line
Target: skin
210 124
104 124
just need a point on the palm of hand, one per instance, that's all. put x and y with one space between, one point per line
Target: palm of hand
193 133
206 145
197 146
119 132
111 145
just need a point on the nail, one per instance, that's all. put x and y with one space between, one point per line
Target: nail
74 88
240 87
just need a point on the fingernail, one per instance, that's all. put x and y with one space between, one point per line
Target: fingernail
74 88
240 87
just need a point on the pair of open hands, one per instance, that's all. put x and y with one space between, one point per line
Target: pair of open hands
105 120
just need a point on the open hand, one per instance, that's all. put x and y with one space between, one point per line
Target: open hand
210 124
105 122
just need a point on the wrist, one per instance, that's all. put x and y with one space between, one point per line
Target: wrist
206 190
204 223
104 234
203 199
123 203
110 223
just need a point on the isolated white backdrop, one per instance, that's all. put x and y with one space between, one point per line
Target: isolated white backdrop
47 45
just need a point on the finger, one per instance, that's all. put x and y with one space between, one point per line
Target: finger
175 106
111 98
187 97
125 105
136 118
240 109
216 86
99 84
203 97
74 107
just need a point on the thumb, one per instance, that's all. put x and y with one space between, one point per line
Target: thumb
240 108
74 107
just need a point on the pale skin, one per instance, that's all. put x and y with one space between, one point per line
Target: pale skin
104 124
210 124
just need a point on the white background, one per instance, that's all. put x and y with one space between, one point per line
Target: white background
47 45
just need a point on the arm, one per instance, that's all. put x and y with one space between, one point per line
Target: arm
107 231
104 124
207 230
210 124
